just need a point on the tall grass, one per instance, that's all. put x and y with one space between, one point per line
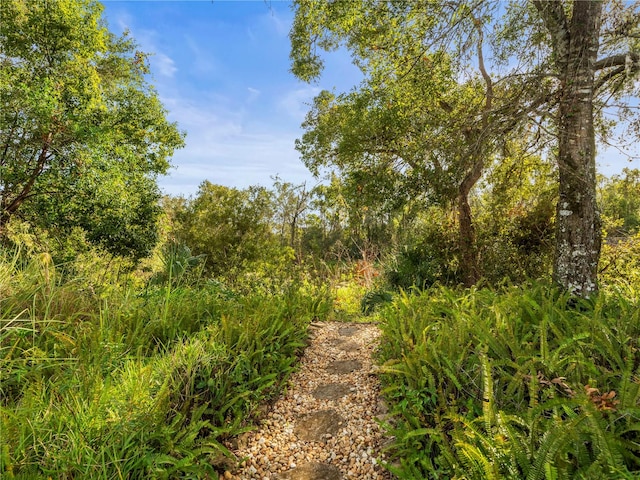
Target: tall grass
520 383
118 380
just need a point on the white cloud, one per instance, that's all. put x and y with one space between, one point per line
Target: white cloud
200 59
123 20
254 93
277 23
240 161
250 34
163 64
241 131
203 118
296 103
223 148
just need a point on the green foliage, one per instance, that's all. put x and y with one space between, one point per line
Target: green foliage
514 222
254 240
414 132
178 266
347 301
429 253
522 383
515 217
291 204
84 134
394 142
230 226
373 300
112 380
343 226
619 197
431 115
620 264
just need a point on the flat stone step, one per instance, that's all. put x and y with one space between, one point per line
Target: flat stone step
347 346
312 471
344 366
348 331
331 391
318 426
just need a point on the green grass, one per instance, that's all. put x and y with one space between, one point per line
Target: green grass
520 383
121 380
104 375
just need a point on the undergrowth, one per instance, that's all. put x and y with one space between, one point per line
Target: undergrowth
523 383
105 378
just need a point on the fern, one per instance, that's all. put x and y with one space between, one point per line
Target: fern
476 463
605 447
553 440
488 402
519 404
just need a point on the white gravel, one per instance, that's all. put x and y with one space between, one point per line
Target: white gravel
355 446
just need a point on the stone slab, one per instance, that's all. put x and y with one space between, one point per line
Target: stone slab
314 427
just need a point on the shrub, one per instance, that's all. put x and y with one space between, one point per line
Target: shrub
429 254
127 383
620 264
523 383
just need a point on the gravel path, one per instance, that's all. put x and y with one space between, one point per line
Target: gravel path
324 427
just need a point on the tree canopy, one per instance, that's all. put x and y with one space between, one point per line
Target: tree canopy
230 226
83 135
465 77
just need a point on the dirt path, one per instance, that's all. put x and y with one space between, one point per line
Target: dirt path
324 427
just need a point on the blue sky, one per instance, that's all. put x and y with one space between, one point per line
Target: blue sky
221 69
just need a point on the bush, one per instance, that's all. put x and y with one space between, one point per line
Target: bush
620 264
373 300
523 383
429 254
127 383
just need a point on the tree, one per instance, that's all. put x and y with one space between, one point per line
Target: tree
83 136
323 236
546 73
515 216
575 34
291 203
412 130
231 227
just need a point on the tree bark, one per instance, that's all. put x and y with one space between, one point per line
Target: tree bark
467 235
575 43
8 208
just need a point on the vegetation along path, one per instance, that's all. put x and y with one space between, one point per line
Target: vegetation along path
325 426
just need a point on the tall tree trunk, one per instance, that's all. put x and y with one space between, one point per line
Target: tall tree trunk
467 243
467 236
578 235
